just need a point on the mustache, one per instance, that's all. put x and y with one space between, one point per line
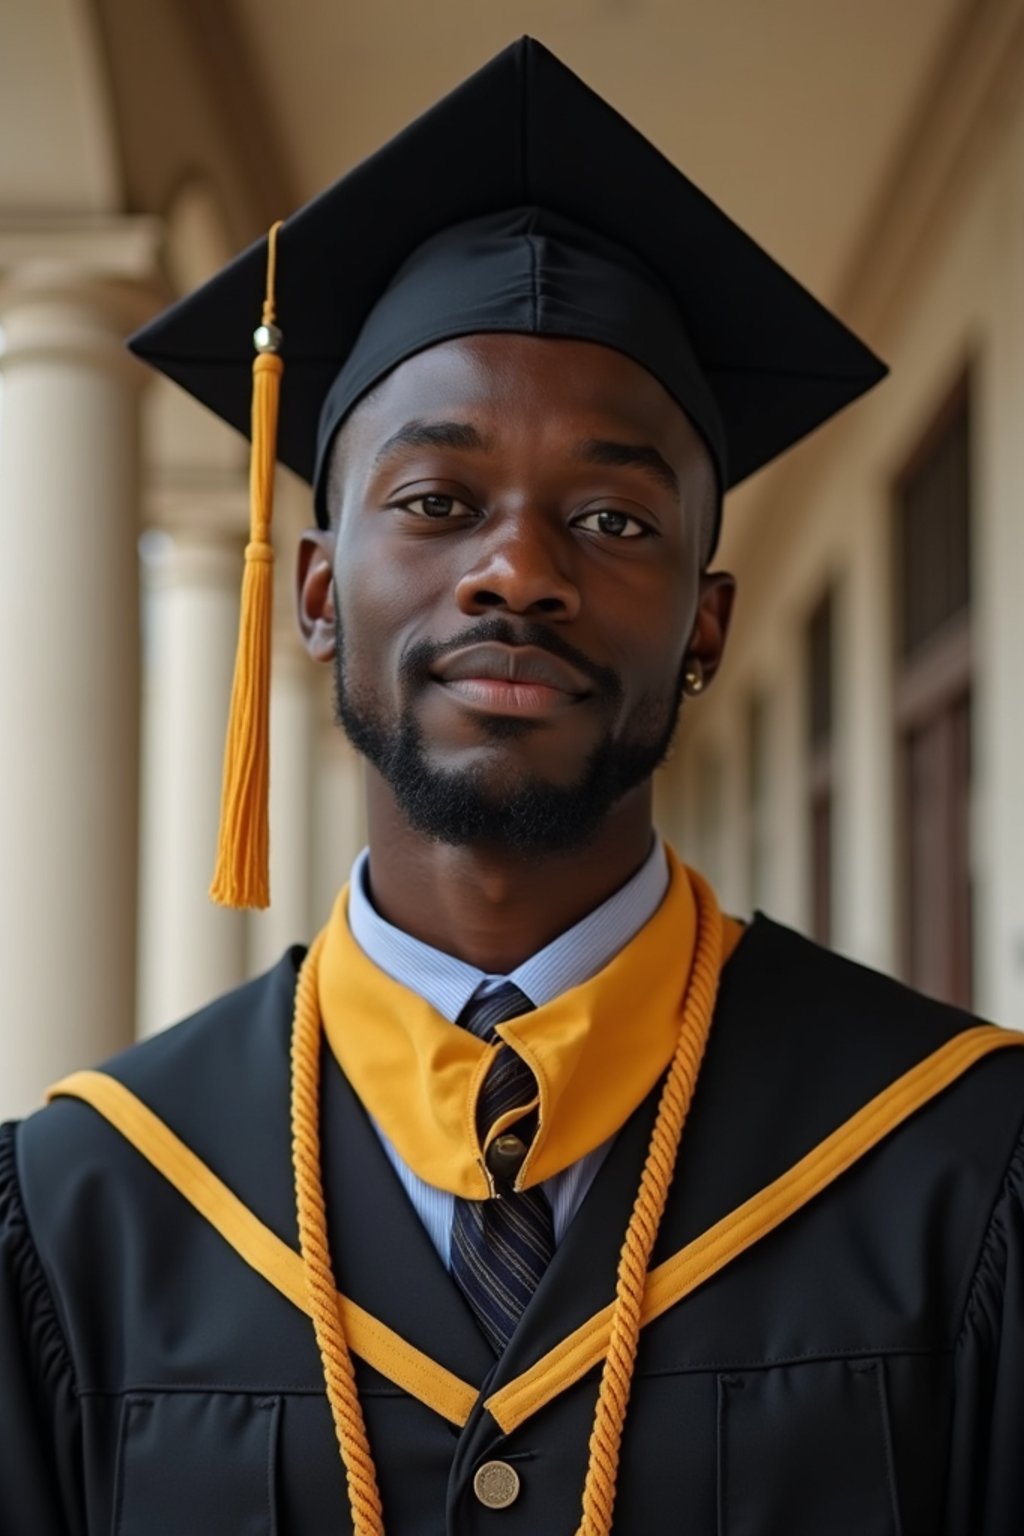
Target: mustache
417 661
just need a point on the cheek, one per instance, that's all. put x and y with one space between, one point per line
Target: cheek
379 608
363 635
367 598
380 578
649 653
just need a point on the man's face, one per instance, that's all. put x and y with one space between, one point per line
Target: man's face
518 532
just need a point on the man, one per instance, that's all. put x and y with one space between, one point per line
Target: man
594 1209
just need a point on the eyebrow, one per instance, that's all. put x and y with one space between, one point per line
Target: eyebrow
431 434
596 450
599 450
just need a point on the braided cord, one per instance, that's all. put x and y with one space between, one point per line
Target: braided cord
617 1373
616 1377
339 1374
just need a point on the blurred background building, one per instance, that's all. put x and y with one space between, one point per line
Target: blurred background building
857 769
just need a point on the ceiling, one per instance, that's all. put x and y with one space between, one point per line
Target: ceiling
788 112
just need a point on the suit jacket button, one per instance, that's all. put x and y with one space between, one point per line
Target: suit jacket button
496 1484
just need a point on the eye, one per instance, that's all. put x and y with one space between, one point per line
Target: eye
431 504
613 524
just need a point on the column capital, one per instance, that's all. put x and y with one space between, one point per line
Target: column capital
126 247
77 287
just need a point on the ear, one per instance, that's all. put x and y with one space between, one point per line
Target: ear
314 593
714 612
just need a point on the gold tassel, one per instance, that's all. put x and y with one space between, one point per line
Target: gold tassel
242 874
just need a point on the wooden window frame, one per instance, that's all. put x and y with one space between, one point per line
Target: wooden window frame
933 679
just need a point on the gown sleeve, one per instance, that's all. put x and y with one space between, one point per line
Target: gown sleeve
986 1468
39 1420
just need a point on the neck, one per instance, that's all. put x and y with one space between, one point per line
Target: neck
486 906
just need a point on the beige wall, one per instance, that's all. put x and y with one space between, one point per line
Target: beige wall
963 303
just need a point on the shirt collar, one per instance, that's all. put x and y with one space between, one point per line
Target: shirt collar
447 983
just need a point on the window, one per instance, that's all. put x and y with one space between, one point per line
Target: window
933 705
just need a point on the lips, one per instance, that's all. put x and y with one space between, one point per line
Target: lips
511 680
508 664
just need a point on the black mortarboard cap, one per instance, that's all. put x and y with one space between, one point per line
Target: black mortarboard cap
520 202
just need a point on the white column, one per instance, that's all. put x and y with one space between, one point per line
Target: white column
734 892
339 825
863 814
190 949
287 920
68 648
789 841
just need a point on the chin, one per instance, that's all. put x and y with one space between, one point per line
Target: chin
495 773
494 805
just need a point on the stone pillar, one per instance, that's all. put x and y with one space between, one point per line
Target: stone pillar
287 920
735 893
790 854
339 816
190 950
69 646
864 911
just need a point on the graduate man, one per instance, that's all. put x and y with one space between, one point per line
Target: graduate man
537 1197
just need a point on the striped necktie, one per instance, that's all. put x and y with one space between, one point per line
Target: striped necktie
501 1247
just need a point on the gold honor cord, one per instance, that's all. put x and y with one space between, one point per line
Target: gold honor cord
600 1483
616 1377
335 1358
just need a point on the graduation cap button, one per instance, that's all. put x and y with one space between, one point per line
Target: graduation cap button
267 338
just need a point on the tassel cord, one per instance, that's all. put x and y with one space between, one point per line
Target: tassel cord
242 873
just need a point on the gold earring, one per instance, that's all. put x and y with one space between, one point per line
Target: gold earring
693 678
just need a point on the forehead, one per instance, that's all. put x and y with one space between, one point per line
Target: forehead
515 383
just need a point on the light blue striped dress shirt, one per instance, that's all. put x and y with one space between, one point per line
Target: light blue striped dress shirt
448 984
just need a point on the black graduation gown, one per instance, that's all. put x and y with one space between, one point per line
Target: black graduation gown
859 1370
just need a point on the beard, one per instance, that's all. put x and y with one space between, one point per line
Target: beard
464 807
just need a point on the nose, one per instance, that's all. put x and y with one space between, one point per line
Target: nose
518 570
